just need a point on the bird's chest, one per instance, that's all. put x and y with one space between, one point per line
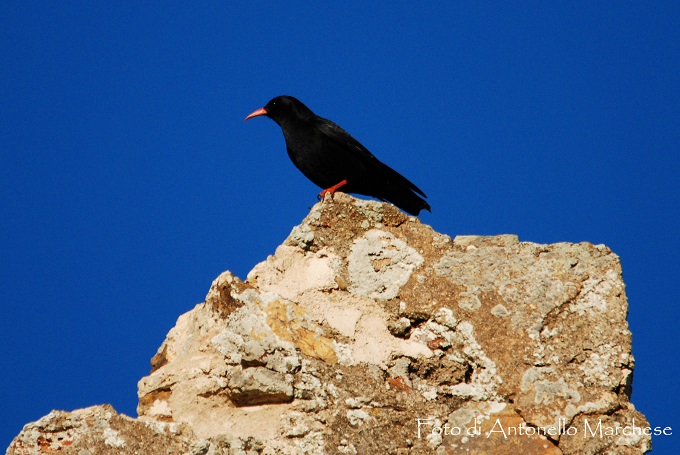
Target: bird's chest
315 158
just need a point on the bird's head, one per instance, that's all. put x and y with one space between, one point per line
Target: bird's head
283 109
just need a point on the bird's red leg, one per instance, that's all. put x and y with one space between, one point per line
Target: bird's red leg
332 189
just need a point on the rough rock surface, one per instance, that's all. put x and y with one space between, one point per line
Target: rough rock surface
368 332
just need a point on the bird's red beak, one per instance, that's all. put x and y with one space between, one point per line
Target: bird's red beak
257 113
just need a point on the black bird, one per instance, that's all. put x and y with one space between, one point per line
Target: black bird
332 159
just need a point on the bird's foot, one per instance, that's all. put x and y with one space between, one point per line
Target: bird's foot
331 190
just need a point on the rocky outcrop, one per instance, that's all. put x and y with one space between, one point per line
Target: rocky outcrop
368 332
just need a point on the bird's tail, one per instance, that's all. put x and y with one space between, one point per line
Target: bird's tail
406 199
401 192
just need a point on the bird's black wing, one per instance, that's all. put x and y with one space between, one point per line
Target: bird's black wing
345 141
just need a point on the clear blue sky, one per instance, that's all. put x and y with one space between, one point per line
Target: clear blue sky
128 179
